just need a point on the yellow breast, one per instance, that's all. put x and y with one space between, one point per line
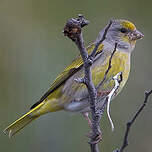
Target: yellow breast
120 63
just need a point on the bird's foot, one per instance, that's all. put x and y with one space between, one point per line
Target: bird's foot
94 138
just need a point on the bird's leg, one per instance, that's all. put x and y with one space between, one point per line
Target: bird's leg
86 116
90 134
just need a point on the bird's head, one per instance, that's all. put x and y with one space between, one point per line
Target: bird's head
124 33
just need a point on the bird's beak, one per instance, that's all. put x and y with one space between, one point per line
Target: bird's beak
136 35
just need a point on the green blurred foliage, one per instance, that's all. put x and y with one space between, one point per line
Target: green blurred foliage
33 51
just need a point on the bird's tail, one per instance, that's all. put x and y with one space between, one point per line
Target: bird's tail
23 121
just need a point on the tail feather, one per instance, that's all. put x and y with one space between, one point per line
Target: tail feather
22 122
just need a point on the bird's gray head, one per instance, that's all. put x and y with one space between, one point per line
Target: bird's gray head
122 32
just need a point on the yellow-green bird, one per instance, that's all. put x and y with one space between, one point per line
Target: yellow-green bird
66 94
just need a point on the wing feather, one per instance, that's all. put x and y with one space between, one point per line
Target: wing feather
75 66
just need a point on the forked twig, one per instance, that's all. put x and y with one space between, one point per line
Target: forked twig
73 29
131 122
109 67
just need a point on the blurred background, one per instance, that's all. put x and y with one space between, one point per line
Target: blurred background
33 51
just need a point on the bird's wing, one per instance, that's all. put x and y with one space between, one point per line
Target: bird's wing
75 66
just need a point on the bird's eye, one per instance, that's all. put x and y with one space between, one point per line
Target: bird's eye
123 30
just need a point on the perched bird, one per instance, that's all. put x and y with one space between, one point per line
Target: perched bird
66 94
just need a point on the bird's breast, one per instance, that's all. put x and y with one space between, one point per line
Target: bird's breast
120 63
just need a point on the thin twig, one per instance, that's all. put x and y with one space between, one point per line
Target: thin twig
101 40
109 67
131 122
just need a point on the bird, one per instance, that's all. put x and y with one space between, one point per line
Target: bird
68 95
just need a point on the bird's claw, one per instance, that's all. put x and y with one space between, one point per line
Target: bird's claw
96 139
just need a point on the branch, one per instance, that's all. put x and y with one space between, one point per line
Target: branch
73 30
131 122
101 40
109 67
